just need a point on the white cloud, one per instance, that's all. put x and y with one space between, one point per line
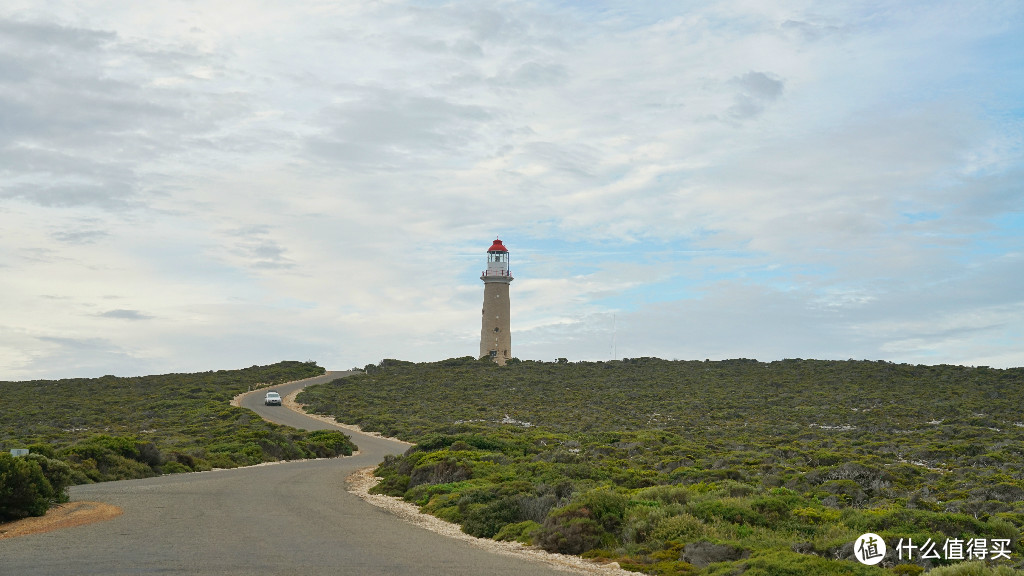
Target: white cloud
232 185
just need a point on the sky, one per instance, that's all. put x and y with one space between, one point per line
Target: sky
202 185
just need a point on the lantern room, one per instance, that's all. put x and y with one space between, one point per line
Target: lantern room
497 260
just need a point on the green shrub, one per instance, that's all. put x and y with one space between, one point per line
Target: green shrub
845 492
605 506
666 494
328 443
57 473
730 511
449 514
24 489
815 515
903 519
149 454
1002 528
392 485
443 472
186 460
683 527
637 478
523 532
571 531
104 444
485 520
772 508
589 521
173 467
42 449
643 518
104 458
222 460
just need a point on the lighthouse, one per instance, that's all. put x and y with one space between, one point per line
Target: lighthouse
495 333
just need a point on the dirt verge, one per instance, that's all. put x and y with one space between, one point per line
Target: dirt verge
60 516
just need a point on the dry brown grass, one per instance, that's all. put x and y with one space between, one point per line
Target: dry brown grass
61 516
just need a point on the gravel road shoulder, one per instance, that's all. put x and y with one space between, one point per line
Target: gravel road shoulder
60 516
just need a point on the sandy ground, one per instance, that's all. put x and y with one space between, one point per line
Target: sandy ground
60 516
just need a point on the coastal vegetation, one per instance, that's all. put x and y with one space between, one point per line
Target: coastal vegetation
717 468
97 429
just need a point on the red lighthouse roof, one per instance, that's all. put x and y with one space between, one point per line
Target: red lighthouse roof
497 246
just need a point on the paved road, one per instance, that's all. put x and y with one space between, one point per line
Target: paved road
288 518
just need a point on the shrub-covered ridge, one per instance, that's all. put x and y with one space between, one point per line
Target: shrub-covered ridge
703 467
99 429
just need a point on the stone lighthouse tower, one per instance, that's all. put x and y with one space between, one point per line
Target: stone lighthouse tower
495 335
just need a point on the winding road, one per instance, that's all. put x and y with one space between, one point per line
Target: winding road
286 518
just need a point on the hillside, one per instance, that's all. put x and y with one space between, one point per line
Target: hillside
98 429
776 466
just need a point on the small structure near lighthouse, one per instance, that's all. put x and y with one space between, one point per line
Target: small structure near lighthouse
495 333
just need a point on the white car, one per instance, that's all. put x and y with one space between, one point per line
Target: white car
272 399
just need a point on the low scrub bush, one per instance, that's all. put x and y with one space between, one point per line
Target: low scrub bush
642 517
443 472
392 485
102 458
523 532
24 488
57 473
571 531
905 520
486 520
816 515
728 509
173 467
681 527
605 506
536 508
666 494
774 509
